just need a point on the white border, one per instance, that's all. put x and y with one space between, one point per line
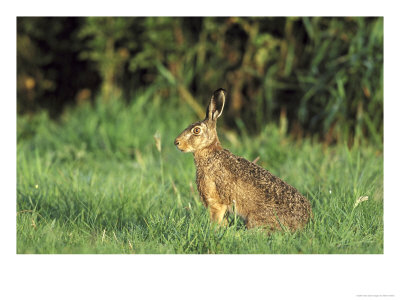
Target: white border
197 276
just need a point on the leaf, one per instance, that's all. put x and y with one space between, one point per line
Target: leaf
359 200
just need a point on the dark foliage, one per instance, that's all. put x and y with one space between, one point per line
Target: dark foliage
322 75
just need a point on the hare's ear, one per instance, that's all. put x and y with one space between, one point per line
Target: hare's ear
216 105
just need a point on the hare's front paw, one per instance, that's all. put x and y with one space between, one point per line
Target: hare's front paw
217 213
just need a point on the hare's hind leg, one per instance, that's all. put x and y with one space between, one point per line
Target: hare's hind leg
269 223
217 213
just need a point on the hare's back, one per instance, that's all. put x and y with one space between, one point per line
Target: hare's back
268 185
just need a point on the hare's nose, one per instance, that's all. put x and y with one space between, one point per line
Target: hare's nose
176 142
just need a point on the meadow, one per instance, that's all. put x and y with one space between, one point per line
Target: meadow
107 178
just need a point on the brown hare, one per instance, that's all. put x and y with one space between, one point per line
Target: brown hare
226 181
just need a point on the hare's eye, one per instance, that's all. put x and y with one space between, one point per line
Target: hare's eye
196 130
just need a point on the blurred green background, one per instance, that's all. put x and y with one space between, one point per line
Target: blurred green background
100 101
318 76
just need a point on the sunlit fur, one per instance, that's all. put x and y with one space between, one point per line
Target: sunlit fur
190 142
229 183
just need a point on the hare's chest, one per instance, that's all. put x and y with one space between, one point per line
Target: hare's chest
206 187
212 188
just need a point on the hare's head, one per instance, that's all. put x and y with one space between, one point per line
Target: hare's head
203 134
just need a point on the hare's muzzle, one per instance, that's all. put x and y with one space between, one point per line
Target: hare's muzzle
177 144
181 145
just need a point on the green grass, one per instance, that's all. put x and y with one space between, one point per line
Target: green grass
94 182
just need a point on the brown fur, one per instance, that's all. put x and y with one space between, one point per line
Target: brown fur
225 180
